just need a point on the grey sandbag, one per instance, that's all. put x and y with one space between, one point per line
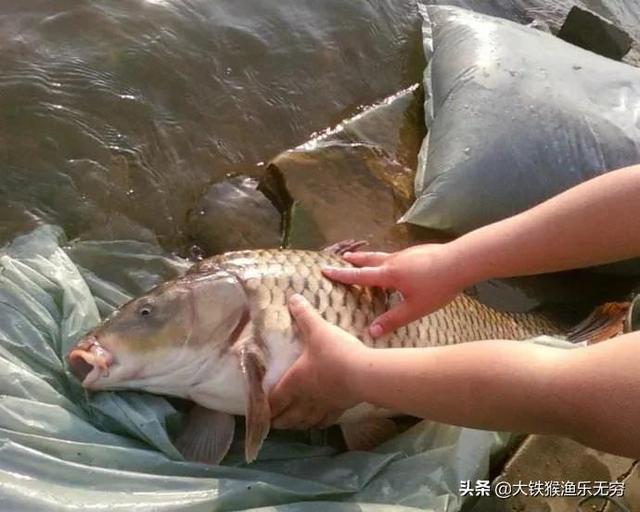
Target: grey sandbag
62 449
515 116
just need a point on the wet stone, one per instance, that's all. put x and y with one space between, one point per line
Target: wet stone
551 459
234 215
588 30
395 125
340 191
632 490
353 181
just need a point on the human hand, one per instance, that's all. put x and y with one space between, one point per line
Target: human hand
315 390
428 276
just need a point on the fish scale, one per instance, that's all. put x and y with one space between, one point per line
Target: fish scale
272 276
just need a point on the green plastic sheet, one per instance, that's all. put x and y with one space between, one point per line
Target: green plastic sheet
62 449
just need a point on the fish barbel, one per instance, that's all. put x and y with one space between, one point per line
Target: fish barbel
222 336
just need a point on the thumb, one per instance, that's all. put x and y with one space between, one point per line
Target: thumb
306 317
396 317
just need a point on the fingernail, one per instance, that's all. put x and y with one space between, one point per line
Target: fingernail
296 300
329 270
347 254
375 330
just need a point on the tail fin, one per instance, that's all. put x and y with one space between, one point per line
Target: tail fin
605 322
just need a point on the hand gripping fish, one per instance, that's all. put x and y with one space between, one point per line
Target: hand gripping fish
221 336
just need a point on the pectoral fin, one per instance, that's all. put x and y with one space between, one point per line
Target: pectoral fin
206 436
258 413
247 345
365 435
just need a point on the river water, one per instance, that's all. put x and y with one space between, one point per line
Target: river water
115 116
121 119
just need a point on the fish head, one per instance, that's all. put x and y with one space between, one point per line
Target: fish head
166 340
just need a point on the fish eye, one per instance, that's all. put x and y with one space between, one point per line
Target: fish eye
145 310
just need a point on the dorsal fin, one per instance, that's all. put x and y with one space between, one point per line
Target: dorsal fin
605 322
351 245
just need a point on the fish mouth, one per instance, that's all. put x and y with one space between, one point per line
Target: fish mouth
89 361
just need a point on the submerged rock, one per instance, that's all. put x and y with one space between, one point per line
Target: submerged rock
234 215
588 30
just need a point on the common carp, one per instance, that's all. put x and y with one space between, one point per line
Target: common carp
222 336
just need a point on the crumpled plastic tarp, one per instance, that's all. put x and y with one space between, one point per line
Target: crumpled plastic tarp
515 116
61 449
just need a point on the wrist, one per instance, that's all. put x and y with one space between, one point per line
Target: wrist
466 264
354 372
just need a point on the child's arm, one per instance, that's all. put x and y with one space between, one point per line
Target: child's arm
596 222
590 394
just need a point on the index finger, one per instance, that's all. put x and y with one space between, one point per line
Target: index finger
366 259
365 276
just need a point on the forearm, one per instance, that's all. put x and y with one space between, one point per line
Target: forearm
590 394
591 224
496 385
